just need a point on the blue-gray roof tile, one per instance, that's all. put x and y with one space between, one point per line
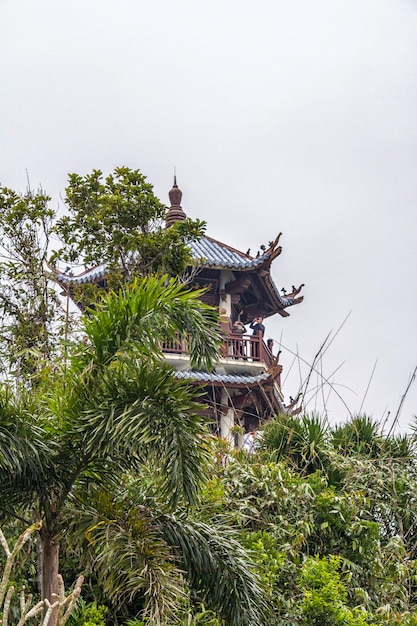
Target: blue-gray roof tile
208 251
221 378
215 254
87 277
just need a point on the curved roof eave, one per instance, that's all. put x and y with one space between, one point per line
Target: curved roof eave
92 275
282 302
214 254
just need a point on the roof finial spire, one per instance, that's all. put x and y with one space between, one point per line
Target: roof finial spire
175 212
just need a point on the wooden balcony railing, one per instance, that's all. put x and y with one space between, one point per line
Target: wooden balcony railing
243 347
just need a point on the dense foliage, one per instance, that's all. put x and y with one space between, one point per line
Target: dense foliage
333 546
110 455
329 516
31 311
119 221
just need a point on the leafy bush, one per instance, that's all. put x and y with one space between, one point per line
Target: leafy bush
325 596
89 615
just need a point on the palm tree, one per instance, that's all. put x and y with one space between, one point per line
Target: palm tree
114 406
361 435
303 441
150 555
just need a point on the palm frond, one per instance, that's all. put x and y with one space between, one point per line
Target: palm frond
141 411
26 448
148 312
140 550
301 441
360 435
126 550
218 570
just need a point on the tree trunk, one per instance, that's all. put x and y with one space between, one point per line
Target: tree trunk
49 571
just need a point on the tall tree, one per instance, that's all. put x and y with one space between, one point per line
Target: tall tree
29 303
117 220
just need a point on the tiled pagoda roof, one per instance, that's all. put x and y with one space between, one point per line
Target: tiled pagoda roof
211 254
92 275
208 377
206 252
235 380
218 255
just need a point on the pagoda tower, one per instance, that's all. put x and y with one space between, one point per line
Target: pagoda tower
244 388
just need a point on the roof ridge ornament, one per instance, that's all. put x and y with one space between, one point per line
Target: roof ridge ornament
175 212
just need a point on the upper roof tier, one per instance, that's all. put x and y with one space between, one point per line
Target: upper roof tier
220 256
206 251
212 254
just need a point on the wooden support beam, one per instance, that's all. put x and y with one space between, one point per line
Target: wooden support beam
238 286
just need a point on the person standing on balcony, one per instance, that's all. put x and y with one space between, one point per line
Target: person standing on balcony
239 329
258 331
257 326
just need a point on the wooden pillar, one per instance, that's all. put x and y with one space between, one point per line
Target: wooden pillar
227 419
225 303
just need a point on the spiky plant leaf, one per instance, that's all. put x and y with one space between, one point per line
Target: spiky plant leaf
147 313
218 569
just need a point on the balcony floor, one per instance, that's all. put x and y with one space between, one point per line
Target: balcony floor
225 365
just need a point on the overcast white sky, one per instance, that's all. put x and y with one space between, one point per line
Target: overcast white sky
295 116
